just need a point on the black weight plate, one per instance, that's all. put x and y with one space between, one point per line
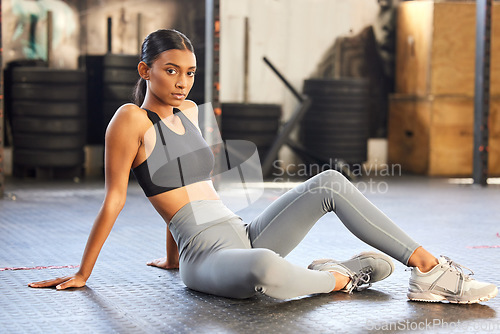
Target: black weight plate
250 125
42 75
27 63
40 92
333 146
322 128
48 142
118 92
332 96
349 157
328 114
44 158
355 106
336 136
110 107
258 140
359 155
251 110
340 99
48 109
336 144
124 61
345 84
319 94
120 76
233 133
234 118
48 125
330 125
326 122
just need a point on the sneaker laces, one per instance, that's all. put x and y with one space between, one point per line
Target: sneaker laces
357 280
458 267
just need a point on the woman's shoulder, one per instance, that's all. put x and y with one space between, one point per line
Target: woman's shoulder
130 112
131 116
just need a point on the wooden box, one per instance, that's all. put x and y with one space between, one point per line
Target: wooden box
435 135
436 48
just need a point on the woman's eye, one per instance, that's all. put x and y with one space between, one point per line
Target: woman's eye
171 71
191 74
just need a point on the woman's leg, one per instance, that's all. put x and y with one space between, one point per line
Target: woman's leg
220 260
241 273
282 225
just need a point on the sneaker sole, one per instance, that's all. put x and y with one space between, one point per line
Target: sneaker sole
430 297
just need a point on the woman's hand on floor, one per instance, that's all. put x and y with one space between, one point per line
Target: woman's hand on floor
61 283
163 263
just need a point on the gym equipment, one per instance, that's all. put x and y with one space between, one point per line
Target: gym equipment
283 136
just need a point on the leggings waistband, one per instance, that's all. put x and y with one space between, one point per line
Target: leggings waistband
195 217
202 212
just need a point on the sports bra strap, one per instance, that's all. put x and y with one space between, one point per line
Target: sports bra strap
153 117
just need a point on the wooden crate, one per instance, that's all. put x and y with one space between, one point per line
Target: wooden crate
435 48
435 135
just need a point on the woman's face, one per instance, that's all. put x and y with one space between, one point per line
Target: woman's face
171 76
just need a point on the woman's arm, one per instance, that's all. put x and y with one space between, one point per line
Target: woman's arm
122 143
171 261
172 251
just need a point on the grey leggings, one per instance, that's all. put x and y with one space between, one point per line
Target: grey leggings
222 255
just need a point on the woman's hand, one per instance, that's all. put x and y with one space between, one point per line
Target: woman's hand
164 263
61 283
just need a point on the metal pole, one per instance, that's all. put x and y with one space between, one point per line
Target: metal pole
49 36
1 117
287 84
109 27
207 119
246 50
482 91
209 49
139 32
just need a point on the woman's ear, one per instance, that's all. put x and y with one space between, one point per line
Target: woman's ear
143 70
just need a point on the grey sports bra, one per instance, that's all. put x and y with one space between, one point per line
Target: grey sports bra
176 160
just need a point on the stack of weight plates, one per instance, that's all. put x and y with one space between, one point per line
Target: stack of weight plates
258 123
197 93
336 124
111 79
48 117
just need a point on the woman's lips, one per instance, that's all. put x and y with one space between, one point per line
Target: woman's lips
178 96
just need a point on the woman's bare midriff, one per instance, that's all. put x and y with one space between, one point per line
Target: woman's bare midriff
167 204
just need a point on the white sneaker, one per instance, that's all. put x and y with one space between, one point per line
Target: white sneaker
364 268
447 282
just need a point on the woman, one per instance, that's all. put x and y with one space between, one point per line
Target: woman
219 253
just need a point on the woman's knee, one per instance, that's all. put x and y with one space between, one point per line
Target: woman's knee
334 181
332 174
266 267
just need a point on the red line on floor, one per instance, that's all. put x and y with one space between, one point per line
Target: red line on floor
37 268
493 246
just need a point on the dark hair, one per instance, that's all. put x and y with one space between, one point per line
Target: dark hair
154 44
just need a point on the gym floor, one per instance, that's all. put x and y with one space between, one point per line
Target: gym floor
44 226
